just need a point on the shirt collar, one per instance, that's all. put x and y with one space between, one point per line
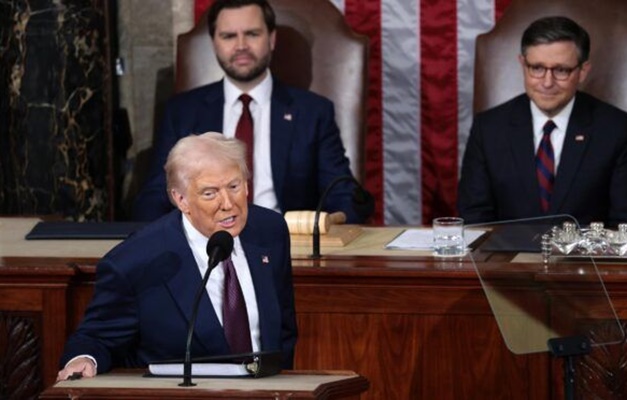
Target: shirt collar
199 241
560 120
261 93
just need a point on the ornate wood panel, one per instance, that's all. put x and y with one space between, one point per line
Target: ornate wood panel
33 324
414 334
414 329
20 356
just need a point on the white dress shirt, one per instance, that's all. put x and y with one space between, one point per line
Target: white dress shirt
215 285
260 105
558 134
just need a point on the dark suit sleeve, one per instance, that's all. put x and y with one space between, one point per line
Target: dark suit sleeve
266 237
618 190
333 163
110 323
152 201
289 331
475 200
274 230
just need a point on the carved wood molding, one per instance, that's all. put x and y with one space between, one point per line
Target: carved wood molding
20 358
602 374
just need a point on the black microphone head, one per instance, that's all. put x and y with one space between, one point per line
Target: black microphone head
220 246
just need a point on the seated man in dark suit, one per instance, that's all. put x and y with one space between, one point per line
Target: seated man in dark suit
553 150
146 286
297 150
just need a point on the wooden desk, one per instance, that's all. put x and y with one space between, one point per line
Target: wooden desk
132 385
416 327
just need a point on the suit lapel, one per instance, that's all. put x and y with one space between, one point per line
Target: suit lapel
282 124
522 149
211 116
260 261
184 286
578 134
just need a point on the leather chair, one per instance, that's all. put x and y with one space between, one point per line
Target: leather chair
498 74
315 50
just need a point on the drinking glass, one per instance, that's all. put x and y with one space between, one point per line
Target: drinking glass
448 237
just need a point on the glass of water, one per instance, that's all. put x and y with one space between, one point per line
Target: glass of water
448 237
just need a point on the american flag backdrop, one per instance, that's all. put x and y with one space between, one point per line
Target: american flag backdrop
420 98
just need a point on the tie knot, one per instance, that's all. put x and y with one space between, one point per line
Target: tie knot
548 127
245 99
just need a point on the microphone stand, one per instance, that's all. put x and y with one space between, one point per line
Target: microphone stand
187 364
219 247
568 348
316 228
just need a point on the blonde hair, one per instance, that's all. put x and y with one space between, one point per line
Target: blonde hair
189 155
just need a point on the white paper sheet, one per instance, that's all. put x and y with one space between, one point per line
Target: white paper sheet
200 369
422 239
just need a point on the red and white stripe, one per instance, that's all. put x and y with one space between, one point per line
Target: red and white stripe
420 98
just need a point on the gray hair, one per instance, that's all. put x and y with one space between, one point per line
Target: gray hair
189 155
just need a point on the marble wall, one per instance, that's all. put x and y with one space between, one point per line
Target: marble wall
55 108
59 101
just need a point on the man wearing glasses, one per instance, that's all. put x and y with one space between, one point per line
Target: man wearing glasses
552 150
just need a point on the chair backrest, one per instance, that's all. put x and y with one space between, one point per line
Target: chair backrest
498 75
315 50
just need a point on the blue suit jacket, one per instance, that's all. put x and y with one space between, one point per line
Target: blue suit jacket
145 289
307 153
498 180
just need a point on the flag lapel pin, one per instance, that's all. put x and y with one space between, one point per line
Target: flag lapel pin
265 259
579 138
287 116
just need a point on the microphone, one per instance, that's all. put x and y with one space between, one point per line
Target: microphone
219 247
363 203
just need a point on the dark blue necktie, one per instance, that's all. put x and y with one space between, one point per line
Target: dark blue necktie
545 166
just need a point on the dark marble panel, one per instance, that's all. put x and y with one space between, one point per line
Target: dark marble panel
55 108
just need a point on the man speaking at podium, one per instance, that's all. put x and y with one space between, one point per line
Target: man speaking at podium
145 287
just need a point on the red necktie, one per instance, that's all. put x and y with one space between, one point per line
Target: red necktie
545 166
244 132
234 314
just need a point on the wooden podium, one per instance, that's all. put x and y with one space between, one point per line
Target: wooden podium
410 323
132 385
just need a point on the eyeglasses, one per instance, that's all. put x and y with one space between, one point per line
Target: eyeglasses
558 73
